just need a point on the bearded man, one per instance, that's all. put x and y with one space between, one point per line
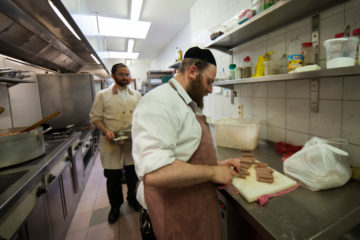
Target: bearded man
175 157
111 113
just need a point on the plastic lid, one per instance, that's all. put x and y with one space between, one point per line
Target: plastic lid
306 44
339 35
247 59
356 31
232 66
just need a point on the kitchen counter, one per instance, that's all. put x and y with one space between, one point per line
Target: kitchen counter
301 214
17 180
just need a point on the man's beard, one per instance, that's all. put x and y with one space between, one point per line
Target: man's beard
197 91
122 82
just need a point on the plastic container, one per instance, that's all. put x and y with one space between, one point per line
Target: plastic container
309 53
246 72
232 68
239 133
356 33
341 52
295 57
269 68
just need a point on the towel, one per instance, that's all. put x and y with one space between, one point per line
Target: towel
265 198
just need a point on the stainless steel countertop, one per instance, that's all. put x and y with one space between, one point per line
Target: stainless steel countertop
34 171
301 214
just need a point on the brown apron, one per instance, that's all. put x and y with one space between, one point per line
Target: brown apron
189 212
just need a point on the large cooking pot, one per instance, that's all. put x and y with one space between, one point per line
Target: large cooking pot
16 147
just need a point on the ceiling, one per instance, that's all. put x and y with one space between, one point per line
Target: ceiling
167 18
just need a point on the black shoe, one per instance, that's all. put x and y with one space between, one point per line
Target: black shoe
114 214
135 205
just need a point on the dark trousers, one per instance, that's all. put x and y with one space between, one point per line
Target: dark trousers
113 185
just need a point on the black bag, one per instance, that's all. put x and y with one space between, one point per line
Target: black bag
146 230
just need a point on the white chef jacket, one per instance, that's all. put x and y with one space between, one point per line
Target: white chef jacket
164 128
110 108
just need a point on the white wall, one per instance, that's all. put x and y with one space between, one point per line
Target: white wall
284 107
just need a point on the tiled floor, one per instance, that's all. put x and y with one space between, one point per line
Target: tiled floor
90 219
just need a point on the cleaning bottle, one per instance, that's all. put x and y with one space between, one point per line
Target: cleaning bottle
259 67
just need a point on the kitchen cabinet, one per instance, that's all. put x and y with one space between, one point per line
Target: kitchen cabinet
57 205
37 223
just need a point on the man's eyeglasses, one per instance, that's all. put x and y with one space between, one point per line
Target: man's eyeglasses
123 74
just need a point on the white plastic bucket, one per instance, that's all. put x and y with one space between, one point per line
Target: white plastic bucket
340 52
239 133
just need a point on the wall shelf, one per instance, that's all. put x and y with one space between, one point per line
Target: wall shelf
326 73
13 81
283 12
175 65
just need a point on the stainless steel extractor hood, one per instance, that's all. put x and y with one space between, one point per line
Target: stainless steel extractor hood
31 31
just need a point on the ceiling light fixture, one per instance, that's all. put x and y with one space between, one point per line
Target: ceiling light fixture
128 62
119 55
113 27
136 6
95 59
63 19
131 43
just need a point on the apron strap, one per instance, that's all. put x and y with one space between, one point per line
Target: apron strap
173 86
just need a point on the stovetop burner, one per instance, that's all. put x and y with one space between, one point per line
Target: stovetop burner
58 133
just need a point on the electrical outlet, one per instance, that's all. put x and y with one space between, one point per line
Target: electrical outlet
240 110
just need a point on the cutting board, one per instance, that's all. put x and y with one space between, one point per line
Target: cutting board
251 189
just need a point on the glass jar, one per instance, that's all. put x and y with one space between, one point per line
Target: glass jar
309 53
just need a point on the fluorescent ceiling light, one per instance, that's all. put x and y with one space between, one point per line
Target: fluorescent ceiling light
131 43
136 6
128 62
122 55
95 59
113 27
63 19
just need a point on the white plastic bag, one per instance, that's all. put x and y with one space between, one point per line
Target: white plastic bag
319 165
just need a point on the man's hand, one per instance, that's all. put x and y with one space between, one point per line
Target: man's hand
109 135
231 162
231 166
223 175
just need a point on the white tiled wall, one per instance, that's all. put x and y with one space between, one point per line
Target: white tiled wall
284 106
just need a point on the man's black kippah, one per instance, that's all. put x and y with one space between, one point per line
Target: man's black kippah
203 54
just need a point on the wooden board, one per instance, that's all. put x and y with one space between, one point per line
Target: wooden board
251 189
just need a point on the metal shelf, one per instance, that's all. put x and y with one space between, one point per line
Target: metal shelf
283 12
13 81
327 73
175 65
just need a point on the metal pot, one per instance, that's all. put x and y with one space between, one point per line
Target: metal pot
20 147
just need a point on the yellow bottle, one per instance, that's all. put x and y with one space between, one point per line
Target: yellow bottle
259 67
178 54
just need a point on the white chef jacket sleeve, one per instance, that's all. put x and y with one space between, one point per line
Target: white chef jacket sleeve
154 133
96 112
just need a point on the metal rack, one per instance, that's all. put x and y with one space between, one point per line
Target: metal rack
152 75
284 11
326 73
12 77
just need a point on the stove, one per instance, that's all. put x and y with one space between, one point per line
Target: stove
58 134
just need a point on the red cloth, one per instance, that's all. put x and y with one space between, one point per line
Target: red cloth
286 149
265 198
